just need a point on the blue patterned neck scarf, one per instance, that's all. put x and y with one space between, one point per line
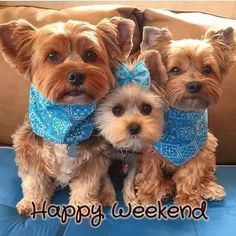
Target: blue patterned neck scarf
184 135
139 75
60 123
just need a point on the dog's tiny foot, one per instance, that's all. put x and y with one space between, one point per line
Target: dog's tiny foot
24 207
188 200
165 191
132 200
213 192
85 205
146 199
108 200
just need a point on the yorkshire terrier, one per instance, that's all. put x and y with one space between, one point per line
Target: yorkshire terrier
185 154
70 68
130 118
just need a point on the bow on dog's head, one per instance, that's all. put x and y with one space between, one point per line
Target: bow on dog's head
139 75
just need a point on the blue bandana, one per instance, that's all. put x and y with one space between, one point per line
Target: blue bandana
60 123
139 75
184 135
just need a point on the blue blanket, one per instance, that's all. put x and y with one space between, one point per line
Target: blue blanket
222 215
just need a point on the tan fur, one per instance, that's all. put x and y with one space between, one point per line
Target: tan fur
107 193
115 129
195 180
150 182
44 165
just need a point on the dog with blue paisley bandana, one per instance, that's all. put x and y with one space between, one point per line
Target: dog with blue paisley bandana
130 118
70 66
185 154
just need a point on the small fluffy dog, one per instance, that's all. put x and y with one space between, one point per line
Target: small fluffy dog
186 153
70 68
130 118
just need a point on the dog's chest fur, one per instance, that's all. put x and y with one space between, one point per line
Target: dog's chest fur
66 166
43 159
63 167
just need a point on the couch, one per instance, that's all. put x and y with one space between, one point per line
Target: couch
13 106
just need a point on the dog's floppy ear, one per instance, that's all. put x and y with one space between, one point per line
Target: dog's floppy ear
224 43
223 36
153 36
157 70
16 38
117 33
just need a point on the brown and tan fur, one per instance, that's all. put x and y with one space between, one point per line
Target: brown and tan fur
80 46
195 180
132 102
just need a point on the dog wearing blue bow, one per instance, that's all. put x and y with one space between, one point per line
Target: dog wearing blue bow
70 67
130 118
185 154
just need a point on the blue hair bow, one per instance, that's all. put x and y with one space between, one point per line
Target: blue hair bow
139 75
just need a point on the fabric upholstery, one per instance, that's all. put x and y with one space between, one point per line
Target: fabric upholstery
222 215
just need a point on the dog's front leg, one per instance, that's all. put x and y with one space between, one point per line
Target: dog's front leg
107 194
129 189
35 166
37 188
150 182
195 180
86 184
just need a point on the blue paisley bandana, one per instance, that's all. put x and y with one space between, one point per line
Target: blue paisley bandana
139 75
184 135
60 123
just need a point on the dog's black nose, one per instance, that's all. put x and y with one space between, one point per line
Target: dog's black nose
134 128
194 87
76 78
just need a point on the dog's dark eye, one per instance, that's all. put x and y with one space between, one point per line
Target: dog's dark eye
206 70
175 71
118 110
53 57
90 56
146 109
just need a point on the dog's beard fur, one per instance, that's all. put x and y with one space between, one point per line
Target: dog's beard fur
51 78
179 98
115 129
190 57
71 41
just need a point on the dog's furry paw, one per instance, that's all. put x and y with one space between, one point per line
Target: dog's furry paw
24 207
108 199
107 195
86 205
146 199
130 199
164 191
190 200
213 192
